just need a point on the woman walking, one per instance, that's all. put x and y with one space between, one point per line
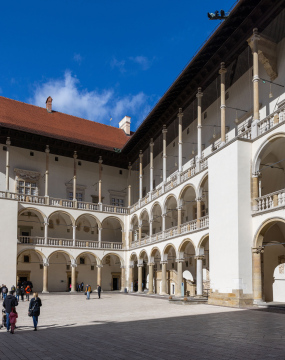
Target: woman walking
34 309
13 319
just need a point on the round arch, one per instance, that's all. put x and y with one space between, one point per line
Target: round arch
88 253
143 251
114 218
184 244
167 249
145 211
152 208
62 212
153 250
133 257
135 216
43 257
61 251
166 200
183 190
266 225
200 185
34 210
200 244
114 254
89 215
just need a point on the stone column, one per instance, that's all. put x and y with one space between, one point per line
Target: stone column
46 230
131 278
141 176
180 276
140 232
130 237
45 276
74 234
255 190
140 266
199 212
47 175
151 165
164 132
163 222
254 46
74 178
179 219
163 277
123 276
199 125
129 186
150 278
150 228
100 180
73 276
99 236
257 274
99 275
199 275
222 72
8 143
180 116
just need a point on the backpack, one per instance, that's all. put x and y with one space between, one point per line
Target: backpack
4 290
13 288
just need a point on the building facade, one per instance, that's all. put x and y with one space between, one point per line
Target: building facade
191 203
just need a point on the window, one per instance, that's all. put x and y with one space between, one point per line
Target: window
79 196
80 190
27 187
82 261
56 158
32 153
26 258
117 202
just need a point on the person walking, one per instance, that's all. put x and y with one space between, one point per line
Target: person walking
34 309
13 319
88 291
9 302
4 291
22 292
18 293
28 291
82 286
99 291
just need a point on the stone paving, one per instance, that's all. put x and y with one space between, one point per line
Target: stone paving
120 326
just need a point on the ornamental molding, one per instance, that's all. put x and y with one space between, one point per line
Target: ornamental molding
27 174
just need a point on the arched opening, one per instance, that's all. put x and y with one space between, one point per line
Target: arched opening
169 256
145 224
86 270
271 258
170 212
87 228
133 273
203 249
155 258
156 219
187 251
30 269
203 196
143 260
60 226
30 226
112 230
111 272
59 272
135 228
189 204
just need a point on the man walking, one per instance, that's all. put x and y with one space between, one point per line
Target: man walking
9 302
88 291
99 291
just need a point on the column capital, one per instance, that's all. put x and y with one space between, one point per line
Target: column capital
100 160
73 263
75 155
151 142
131 266
47 149
199 198
141 155
74 226
255 35
199 93
200 257
140 265
8 141
130 166
122 267
180 113
222 70
45 262
256 174
164 262
99 266
164 130
259 250
180 260
151 264
179 208
46 222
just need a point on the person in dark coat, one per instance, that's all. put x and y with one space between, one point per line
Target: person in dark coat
99 291
9 302
34 308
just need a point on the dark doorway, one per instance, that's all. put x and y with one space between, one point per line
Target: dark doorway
115 284
23 279
69 282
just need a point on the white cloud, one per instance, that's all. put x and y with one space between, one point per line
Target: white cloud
78 58
143 61
93 105
118 64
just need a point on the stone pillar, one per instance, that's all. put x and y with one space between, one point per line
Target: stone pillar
180 277
180 116
46 175
141 176
46 230
129 187
100 180
179 219
74 178
254 46
73 276
222 72
163 221
131 278
130 237
100 236
257 274
140 266
255 191
199 125
74 234
199 212
150 278
151 165
99 275
150 228
163 277
164 132
199 275
8 143
140 233
45 276
123 277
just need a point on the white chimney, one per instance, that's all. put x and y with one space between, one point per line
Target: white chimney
125 124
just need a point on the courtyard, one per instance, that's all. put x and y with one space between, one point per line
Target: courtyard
121 326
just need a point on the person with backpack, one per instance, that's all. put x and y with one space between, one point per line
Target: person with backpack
22 292
88 291
13 319
13 289
28 291
4 291
34 309
9 302
18 293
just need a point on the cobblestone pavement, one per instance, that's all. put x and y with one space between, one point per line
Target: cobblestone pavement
120 326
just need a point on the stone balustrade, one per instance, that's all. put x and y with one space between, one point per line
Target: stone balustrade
270 201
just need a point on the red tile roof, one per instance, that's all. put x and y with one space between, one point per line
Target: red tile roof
33 119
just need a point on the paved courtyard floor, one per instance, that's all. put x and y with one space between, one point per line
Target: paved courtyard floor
121 326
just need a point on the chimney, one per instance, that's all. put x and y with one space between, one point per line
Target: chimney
125 124
49 104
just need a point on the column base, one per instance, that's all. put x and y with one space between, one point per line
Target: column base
72 292
45 292
163 293
150 293
258 302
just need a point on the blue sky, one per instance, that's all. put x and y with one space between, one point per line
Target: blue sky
99 59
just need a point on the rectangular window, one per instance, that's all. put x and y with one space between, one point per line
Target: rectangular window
117 202
79 196
27 187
